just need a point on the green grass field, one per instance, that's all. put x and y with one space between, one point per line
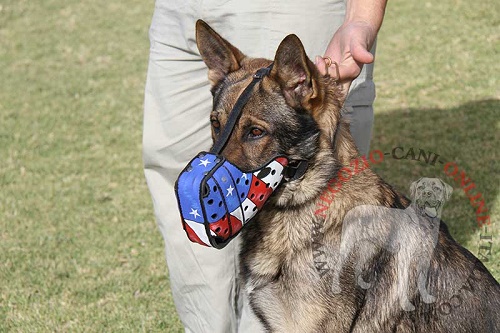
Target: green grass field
79 247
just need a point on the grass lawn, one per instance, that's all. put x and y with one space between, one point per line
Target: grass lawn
79 247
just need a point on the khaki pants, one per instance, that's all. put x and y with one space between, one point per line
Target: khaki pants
204 281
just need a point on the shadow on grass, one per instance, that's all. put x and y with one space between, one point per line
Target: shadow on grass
467 135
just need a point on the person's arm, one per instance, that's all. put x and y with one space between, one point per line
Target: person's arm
351 43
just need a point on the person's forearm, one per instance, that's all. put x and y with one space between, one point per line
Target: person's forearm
367 11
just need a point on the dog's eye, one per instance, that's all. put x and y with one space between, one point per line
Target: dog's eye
437 189
255 133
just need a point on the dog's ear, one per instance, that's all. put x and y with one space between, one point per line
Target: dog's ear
218 54
447 190
295 73
413 189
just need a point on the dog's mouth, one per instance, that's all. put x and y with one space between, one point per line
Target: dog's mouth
429 207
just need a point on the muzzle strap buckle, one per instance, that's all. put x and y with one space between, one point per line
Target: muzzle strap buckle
295 169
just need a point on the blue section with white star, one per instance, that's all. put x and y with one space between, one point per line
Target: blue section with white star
241 181
189 185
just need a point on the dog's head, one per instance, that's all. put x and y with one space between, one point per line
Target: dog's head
294 111
429 195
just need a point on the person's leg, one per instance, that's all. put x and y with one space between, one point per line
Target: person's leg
176 127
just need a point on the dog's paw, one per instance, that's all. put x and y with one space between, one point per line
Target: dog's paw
428 298
407 306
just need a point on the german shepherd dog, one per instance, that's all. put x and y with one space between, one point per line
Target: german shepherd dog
296 111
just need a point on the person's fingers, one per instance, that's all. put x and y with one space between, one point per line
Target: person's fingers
321 64
348 71
360 53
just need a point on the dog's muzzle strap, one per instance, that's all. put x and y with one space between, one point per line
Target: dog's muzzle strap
235 113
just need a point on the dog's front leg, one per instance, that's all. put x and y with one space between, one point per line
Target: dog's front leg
422 270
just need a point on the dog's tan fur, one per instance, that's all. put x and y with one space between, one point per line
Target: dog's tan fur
296 111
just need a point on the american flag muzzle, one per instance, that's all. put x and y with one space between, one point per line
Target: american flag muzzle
216 199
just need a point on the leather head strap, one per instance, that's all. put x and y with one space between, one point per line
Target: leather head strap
235 113
293 172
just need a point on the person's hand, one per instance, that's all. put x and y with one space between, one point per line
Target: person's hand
349 47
